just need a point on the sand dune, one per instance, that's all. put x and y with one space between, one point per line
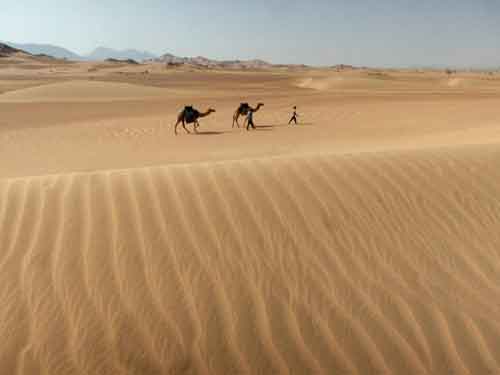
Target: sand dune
362 241
395 81
370 263
81 91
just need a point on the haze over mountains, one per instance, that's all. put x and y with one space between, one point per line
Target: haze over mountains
100 53
46 49
103 53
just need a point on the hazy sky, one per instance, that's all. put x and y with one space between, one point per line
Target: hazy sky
319 32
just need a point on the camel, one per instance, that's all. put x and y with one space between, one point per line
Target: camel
189 115
243 111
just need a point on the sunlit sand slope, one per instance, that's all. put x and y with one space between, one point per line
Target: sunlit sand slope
382 263
82 91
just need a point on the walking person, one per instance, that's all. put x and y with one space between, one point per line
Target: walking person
294 116
249 119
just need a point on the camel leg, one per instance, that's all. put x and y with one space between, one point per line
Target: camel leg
175 128
184 126
196 124
235 119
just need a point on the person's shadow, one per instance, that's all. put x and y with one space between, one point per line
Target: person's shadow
301 124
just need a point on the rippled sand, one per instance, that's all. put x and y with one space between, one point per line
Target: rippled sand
363 241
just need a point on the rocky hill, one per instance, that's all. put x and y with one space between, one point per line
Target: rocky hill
6 50
46 49
201 61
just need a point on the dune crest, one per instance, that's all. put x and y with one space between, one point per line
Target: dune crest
81 91
310 265
320 83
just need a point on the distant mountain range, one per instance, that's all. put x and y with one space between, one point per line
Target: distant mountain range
102 54
46 49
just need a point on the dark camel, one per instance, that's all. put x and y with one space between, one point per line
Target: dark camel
189 115
243 111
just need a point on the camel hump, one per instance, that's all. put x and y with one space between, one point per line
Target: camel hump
190 114
244 108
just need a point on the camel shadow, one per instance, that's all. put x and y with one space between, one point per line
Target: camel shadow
209 133
265 127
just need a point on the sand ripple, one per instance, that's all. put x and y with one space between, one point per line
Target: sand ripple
381 263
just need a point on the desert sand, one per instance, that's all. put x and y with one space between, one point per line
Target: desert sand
362 241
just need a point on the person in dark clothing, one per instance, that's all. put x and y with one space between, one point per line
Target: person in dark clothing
294 116
249 120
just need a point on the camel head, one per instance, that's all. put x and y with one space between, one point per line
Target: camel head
207 113
260 105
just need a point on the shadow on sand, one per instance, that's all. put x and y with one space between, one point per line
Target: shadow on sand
285 125
297 125
264 127
209 133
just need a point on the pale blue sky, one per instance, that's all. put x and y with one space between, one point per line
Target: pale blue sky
318 32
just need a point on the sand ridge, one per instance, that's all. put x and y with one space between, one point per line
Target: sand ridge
292 265
82 91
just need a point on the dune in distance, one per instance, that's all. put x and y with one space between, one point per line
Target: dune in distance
362 241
